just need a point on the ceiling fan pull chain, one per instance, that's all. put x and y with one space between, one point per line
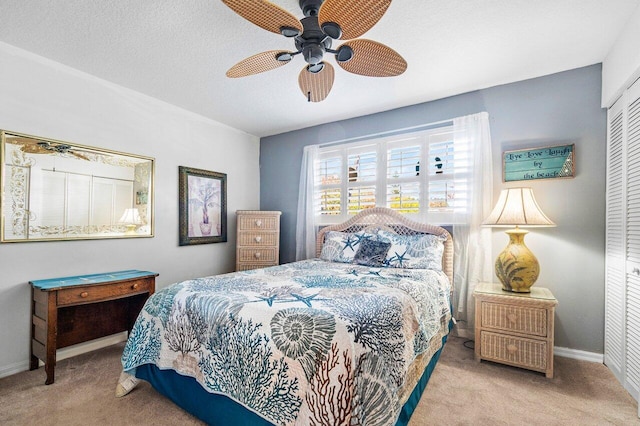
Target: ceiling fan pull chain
308 96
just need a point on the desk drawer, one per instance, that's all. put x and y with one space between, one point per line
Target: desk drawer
517 351
86 294
521 319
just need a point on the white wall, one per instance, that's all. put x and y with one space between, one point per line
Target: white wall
621 67
43 98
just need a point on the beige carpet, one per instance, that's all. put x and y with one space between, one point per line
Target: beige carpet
461 392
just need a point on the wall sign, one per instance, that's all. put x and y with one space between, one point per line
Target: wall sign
539 163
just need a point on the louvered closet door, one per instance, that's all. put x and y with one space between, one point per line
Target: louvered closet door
614 333
633 244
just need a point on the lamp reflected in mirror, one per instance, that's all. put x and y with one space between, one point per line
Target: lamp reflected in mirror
131 218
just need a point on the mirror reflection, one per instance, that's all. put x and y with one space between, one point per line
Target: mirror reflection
54 190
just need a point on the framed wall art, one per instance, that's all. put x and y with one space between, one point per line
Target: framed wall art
550 162
203 206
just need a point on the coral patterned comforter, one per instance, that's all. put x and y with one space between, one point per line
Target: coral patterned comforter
311 342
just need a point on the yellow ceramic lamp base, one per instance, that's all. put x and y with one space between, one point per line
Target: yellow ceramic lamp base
131 230
516 267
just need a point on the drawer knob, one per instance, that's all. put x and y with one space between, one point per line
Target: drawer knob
512 349
84 294
135 286
256 255
258 239
512 317
636 271
258 223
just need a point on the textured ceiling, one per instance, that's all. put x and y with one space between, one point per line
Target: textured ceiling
179 51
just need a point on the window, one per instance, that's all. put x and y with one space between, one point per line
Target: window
411 173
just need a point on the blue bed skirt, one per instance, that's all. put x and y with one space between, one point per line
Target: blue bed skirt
414 398
188 394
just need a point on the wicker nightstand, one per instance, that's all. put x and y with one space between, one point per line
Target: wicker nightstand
258 239
515 328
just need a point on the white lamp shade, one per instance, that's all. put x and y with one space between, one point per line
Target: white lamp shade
131 216
517 207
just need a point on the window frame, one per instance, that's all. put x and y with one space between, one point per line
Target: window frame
424 139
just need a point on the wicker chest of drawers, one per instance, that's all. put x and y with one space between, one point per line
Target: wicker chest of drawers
515 328
258 244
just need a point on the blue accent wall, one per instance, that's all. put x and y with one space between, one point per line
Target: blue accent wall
557 109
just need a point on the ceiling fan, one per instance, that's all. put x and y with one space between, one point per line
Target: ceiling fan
33 146
324 22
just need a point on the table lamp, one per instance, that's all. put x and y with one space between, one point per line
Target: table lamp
130 218
516 267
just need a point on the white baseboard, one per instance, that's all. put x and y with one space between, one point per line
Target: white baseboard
578 354
68 352
12 369
93 345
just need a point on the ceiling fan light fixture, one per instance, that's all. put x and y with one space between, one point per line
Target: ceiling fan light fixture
332 29
313 53
344 53
284 56
316 68
289 31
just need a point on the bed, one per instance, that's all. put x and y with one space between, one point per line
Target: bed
348 338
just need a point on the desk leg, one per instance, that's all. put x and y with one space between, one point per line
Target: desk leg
33 360
52 340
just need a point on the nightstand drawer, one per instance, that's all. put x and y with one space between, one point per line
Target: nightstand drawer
269 239
249 266
257 254
522 319
86 294
257 222
517 351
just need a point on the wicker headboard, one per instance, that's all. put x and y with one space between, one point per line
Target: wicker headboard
382 217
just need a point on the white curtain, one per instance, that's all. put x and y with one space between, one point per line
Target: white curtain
472 243
305 221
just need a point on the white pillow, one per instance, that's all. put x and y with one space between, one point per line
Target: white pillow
413 251
341 246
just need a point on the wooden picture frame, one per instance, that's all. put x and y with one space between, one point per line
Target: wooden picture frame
203 206
550 162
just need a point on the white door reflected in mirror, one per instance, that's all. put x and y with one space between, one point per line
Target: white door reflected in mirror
57 190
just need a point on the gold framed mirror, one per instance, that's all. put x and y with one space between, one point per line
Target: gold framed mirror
55 190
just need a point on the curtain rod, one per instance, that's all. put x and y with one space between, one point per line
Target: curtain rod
433 125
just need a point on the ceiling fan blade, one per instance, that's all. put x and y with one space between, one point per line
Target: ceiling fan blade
35 149
29 145
256 64
316 86
373 59
266 15
80 156
354 17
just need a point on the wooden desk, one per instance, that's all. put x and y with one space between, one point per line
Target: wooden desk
70 310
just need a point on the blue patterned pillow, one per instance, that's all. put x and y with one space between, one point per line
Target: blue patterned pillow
341 246
371 253
413 251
